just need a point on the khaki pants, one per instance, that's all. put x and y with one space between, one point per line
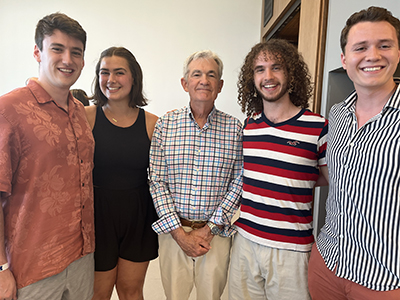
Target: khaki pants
258 272
179 273
75 282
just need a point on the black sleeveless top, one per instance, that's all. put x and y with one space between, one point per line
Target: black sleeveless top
121 155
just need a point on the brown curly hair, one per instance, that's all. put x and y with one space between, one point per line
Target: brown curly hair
296 71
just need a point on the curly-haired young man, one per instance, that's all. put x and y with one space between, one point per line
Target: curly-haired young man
284 157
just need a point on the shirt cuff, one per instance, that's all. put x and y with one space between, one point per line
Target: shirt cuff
167 223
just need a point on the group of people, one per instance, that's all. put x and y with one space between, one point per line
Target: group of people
89 195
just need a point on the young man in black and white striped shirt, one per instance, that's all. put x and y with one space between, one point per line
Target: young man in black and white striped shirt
357 255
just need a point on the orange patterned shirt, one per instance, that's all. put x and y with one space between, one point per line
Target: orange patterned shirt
46 162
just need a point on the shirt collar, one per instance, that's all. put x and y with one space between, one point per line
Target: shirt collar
39 92
210 116
393 102
42 96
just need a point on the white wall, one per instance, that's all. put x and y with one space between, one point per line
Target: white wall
160 33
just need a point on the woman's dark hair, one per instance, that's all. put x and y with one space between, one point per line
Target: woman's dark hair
136 95
81 96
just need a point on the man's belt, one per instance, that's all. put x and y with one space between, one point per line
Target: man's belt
193 224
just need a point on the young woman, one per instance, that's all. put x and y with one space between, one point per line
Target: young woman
124 210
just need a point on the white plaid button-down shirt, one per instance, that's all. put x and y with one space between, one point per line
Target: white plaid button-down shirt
196 173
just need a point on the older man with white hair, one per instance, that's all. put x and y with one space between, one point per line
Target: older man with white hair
195 173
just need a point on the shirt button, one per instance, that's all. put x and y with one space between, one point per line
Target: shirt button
351 144
341 236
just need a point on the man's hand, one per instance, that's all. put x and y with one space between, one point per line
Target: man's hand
191 243
204 233
8 287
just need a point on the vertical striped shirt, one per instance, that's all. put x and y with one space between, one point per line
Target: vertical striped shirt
281 164
361 235
196 173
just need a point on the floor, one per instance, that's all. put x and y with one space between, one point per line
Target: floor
153 289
